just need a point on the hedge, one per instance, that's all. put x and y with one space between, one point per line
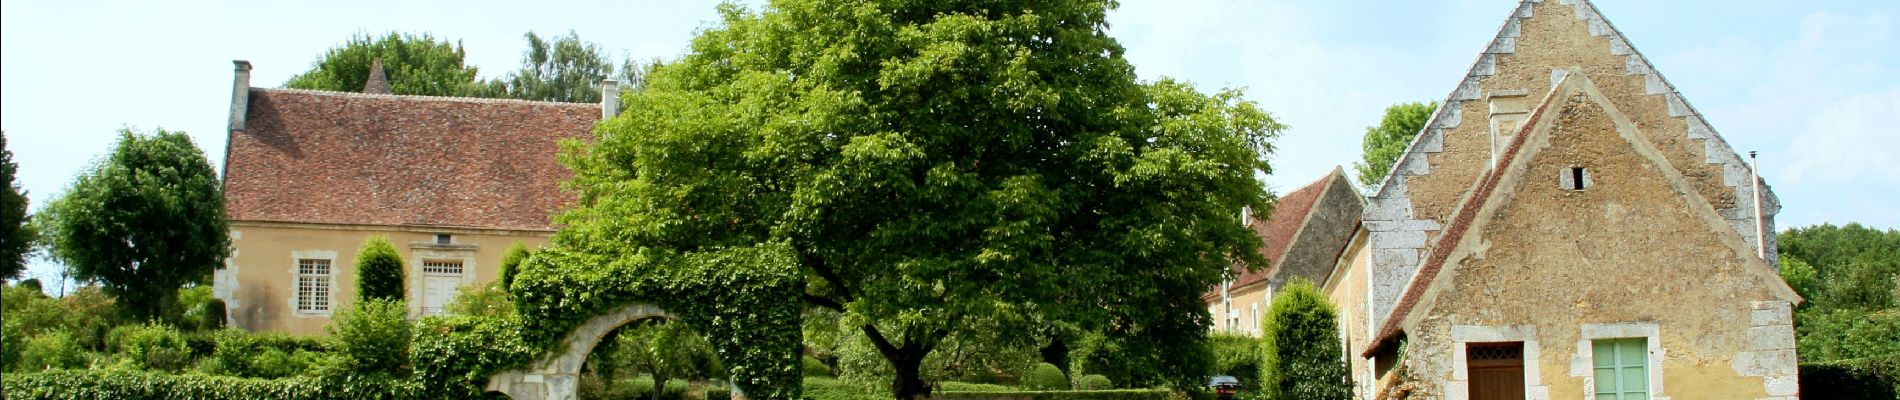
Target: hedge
1118 394
120 384
1865 378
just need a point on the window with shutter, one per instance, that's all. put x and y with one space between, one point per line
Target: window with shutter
1622 368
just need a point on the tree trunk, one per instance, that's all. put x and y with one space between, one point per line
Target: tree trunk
909 383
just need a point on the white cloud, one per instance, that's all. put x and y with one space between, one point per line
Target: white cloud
1850 142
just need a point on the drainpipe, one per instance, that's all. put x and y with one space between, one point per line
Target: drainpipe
1761 236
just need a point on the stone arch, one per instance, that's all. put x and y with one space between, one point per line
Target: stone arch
556 375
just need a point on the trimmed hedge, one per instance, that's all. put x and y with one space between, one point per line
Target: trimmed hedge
1864 378
119 384
1119 394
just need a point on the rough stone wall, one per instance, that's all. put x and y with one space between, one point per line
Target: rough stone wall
1539 37
1629 248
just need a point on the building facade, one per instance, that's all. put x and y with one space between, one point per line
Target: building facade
452 182
1301 238
1567 226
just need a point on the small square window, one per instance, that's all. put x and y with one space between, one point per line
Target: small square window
444 238
1574 178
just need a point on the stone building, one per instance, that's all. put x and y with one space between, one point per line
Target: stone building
1567 226
453 182
1301 238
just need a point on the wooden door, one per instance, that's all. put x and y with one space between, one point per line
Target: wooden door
1496 370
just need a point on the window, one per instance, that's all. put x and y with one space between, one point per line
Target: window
447 267
444 238
1622 368
313 285
1575 178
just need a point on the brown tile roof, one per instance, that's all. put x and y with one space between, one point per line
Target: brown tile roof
360 159
1467 211
1277 231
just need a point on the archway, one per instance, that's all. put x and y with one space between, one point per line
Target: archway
556 376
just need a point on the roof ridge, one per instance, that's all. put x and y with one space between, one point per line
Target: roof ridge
412 97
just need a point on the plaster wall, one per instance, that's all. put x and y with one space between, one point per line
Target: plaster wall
258 282
1629 249
1347 290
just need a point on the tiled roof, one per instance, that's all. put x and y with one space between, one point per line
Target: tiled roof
1277 231
362 159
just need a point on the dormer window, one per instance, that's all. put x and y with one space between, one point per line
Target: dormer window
1575 178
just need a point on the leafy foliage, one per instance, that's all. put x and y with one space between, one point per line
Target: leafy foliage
488 299
379 270
1867 378
1094 382
50 350
243 354
1238 356
16 232
120 384
1850 276
373 337
510 262
1118 394
664 350
414 65
143 222
457 354
929 163
1045 376
563 69
154 347
1301 356
1385 143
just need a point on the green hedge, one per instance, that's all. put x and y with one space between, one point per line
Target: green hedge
1864 378
1119 394
118 384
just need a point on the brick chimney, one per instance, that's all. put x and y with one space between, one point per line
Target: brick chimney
609 99
376 84
240 95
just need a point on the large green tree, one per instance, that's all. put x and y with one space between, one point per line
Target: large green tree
562 69
16 233
414 65
1301 357
931 162
1385 143
1850 276
143 222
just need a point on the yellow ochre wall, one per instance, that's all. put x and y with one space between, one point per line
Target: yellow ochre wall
258 282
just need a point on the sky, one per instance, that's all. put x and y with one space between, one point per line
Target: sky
1813 86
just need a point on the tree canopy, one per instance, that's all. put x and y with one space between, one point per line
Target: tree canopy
414 65
16 233
143 222
1385 143
563 69
927 162
1850 276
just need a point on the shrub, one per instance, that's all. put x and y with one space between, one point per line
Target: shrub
1301 356
150 346
834 389
815 368
89 314
954 386
1237 356
510 261
373 336
118 384
11 339
1868 378
379 270
51 350
1045 376
187 311
460 353
718 393
1094 382
214 315
1122 394
482 300
244 354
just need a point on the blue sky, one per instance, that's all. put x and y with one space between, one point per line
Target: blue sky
1814 86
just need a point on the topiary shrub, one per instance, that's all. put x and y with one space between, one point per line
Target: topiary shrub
815 368
379 271
1301 356
718 393
51 350
510 262
1045 376
373 337
154 347
1866 378
213 315
1094 382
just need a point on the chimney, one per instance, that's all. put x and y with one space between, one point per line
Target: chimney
609 99
1509 109
240 95
376 83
